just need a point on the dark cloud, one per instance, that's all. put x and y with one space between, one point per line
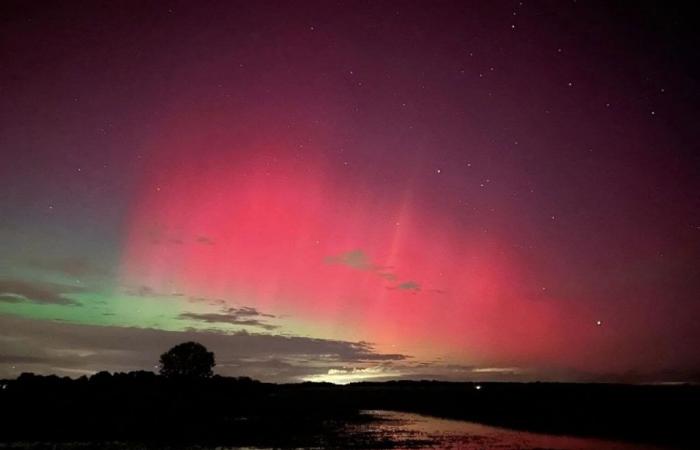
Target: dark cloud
248 311
210 301
161 234
245 316
387 276
227 318
19 359
12 298
36 292
409 286
357 259
73 349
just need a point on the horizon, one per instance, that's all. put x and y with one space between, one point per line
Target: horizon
356 191
477 383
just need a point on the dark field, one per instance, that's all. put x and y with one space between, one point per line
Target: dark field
142 409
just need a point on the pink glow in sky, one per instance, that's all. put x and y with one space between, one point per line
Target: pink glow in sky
457 190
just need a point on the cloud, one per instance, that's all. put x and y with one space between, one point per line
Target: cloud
357 259
245 316
210 301
248 311
387 276
355 374
13 291
161 234
409 286
65 348
12 298
147 291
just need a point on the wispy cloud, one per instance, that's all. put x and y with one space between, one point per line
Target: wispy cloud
356 259
245 316
409 286
13 291
160 234
147 291
359 260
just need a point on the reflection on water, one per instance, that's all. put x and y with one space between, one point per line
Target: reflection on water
385 429
406 430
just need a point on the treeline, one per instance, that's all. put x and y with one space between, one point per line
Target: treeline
145 407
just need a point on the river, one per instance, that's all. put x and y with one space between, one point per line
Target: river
405 430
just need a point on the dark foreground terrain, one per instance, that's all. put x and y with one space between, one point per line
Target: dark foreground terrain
140 408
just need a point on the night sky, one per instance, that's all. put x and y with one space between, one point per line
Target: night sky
350 190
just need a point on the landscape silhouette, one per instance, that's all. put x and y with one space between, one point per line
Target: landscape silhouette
186 404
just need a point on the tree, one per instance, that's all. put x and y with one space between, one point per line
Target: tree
189 359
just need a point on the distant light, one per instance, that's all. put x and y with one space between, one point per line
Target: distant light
477 387
599 322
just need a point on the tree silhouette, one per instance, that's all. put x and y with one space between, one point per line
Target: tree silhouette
189 359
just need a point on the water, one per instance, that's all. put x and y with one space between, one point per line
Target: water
397 430
407 430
